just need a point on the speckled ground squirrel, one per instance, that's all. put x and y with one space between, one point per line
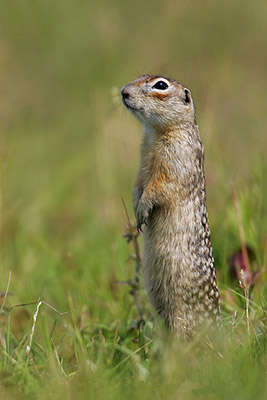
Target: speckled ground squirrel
170 204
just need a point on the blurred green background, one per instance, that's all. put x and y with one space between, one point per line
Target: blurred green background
69 151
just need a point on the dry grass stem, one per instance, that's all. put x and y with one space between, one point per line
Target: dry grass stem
241 228
244 286
131 236
29 346
211 347
59 361
6 292
39 303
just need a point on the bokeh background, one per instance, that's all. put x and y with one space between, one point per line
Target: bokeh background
69 151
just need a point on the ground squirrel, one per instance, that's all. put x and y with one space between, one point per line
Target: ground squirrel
170 204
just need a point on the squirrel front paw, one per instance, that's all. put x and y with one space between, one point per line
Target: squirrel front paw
137 194
143 211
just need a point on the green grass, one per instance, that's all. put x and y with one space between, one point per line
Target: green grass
68 154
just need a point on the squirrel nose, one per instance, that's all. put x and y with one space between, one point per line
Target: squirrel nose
125 94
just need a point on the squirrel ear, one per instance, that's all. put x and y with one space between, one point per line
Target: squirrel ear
187 96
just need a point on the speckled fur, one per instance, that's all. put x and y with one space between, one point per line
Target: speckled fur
170 205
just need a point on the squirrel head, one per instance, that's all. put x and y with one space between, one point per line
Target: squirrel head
158 102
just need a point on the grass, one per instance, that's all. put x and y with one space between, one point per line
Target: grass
69 153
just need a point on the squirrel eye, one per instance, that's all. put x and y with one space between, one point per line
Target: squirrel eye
161 85
187 96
